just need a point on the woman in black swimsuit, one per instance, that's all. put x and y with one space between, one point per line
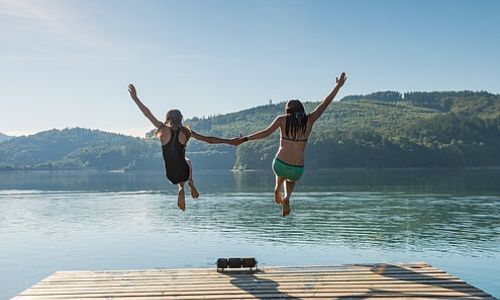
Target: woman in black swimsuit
174 137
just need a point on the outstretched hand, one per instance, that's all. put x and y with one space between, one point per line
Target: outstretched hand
132 91
340 81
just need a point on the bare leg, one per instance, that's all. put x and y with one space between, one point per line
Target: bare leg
181 200
192 187
277 189
289 185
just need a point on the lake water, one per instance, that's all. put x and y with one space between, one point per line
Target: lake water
52 221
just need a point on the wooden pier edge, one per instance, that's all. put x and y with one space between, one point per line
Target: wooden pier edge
353 281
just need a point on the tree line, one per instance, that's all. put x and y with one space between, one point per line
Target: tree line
382 129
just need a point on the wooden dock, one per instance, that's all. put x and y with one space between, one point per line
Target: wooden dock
365 281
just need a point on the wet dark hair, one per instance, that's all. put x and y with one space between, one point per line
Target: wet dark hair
174 120
296 119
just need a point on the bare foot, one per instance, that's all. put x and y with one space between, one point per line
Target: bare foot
286 207
277 197
181 201
194 191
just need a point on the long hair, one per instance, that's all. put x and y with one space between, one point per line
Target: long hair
174 121
296 119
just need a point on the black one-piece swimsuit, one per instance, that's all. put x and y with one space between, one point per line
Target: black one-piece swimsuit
174 155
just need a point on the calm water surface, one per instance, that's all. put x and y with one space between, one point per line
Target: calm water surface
53 221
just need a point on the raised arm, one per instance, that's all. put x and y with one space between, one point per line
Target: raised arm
264 133
318 111
214 140
142 107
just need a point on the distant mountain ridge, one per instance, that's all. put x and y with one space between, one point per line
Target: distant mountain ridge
74 149
382 129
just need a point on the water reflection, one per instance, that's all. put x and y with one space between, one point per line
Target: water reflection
357 219
449 181
89 220
393 221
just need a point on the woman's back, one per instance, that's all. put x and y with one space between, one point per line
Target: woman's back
292 148
165 134
174 153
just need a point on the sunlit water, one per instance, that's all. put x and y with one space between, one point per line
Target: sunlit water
52 221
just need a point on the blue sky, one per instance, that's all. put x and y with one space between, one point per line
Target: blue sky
68 63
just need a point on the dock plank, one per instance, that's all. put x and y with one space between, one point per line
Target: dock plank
359 281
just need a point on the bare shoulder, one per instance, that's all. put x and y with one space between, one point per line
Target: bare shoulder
281 120
163 132
184 137
312 118
164 129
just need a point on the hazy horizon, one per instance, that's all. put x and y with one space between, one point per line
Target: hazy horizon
141 132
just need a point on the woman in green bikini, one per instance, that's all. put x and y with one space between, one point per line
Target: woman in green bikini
295 127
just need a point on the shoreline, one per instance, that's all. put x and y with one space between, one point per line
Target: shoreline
9 169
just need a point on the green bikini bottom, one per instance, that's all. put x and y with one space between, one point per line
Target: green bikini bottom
290 172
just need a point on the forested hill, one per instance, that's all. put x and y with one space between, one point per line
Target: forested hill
77 148
383 129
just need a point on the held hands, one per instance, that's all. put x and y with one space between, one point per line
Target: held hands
132 91
236 141
340 81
